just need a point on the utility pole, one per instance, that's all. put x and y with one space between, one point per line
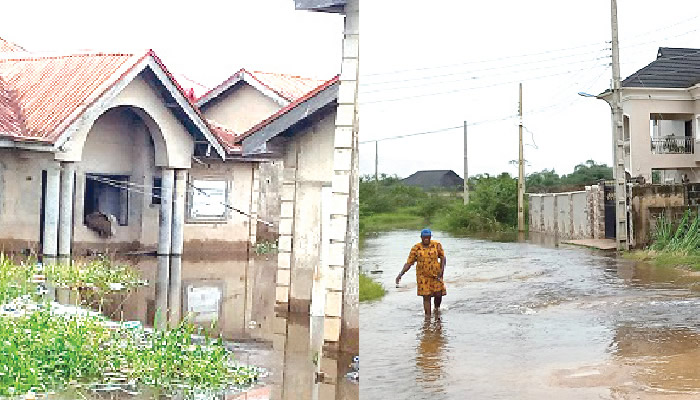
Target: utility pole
376 162
521 166
466 169
618 143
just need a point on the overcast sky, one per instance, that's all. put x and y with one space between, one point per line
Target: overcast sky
462 60
206 41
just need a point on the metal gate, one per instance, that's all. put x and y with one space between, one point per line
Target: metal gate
609 202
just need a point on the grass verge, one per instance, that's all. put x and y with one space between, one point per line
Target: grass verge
665 259
370 289
403 218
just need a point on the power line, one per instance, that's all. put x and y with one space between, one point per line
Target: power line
495 68
491 60
141 189
531 111
473 78
413 134
440 130
544 52
470 88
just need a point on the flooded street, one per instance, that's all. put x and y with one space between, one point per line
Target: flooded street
528 321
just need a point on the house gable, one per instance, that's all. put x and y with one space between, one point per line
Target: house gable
255 140
58 98
240 107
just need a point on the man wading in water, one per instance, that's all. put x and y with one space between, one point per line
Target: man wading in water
429 270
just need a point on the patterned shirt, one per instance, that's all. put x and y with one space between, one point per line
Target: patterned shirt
427 259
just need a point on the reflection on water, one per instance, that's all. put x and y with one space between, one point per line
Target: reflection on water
431 353
530 321
230 300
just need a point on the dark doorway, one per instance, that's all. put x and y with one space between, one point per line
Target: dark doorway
609 202
107 194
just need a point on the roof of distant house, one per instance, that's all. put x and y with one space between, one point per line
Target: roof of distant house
673 68
434 179
282 88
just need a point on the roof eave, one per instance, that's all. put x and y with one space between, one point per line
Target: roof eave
115 86
330 6
255 141
241 76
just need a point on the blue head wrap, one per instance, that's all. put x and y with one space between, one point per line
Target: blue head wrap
425 232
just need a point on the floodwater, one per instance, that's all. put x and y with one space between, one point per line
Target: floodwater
529 321
235 296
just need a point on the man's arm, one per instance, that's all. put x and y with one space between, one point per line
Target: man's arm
405 269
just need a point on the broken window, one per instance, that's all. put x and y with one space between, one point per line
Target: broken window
108 195
207 199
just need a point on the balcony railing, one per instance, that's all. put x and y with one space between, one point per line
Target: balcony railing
673 145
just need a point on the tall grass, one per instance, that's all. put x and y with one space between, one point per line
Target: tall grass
370 289
42 350
682 239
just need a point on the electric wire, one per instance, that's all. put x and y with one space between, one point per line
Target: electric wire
472 78
548 51
141 189
501 67
467 89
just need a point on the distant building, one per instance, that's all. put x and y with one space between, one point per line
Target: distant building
432 180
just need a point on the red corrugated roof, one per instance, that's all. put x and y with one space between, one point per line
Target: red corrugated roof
288 86
6 46
226 136
286 109
50 90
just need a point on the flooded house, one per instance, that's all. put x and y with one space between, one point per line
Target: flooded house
104 152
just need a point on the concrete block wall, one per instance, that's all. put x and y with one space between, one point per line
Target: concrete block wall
563 215
566 215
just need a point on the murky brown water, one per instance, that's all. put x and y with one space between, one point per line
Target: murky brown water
526 321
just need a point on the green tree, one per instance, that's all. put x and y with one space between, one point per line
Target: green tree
587 173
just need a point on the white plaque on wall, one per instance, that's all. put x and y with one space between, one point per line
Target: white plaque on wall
203 302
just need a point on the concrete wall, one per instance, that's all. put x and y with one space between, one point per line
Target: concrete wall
579 216
311 153
565 215
231 236
536 205
240 107
550 214
20 199
648 197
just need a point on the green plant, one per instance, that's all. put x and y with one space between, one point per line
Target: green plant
369 289
266 247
